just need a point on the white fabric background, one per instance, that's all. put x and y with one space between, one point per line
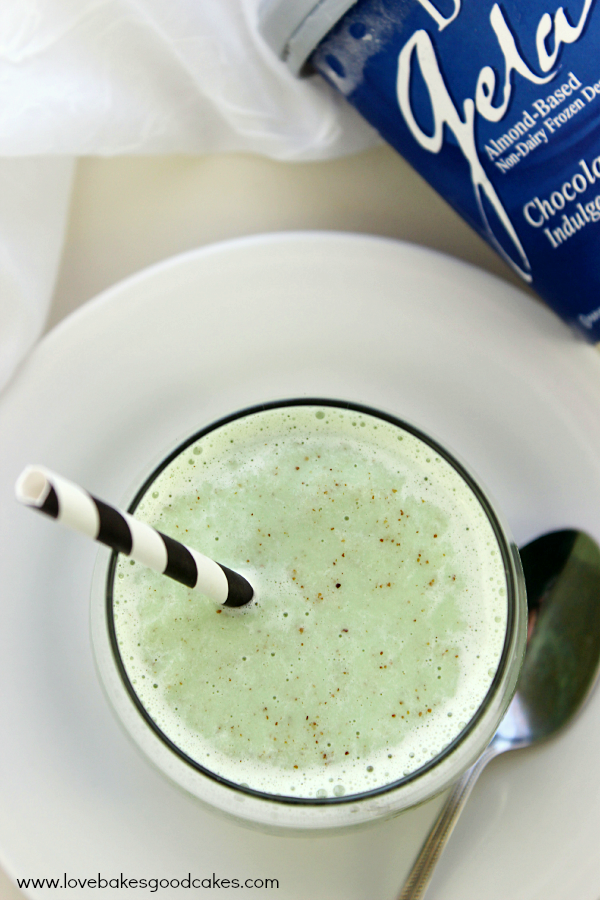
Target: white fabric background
86 77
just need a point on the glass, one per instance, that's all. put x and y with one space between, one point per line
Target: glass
279 809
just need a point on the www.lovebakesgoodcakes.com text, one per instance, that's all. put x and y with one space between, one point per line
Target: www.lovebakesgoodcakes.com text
122 882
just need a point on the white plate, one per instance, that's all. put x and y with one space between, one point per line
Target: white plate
489 370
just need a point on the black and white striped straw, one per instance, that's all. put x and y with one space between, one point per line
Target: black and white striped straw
66 502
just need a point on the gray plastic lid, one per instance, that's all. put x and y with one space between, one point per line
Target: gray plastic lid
293 28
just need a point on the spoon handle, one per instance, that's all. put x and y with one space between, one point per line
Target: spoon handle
436 840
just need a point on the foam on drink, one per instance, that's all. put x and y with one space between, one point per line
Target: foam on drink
381 605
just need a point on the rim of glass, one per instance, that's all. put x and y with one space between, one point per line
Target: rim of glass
511 593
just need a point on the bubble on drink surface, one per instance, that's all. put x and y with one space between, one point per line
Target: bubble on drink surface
350 514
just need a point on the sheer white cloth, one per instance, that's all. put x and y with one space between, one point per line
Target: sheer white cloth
87 77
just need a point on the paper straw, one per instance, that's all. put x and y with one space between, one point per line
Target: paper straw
66 502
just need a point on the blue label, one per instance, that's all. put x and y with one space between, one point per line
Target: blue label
497 106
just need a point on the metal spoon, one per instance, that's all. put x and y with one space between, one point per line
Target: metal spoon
562 574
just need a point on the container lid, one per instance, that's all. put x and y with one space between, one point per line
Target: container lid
293 29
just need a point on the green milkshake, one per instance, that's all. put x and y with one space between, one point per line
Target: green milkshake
380 614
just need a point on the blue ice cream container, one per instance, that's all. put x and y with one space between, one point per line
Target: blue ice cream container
496 105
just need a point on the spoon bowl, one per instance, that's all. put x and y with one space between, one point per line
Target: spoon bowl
561 667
